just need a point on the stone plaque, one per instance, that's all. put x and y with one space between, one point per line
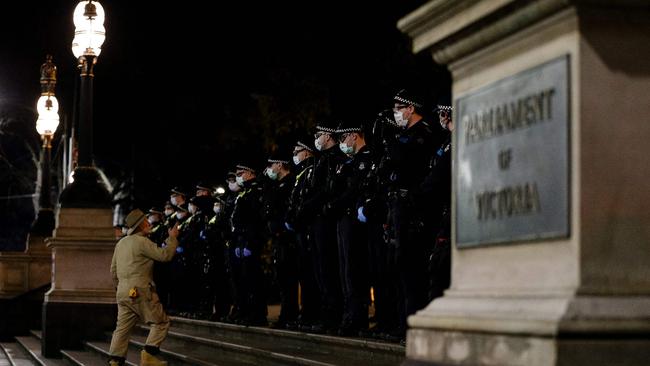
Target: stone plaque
512 161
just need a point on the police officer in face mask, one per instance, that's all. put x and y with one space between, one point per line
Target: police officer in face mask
215 236
283 242
352 234
177 196
179 294
248 229
323 225
298 222
438 184
409 221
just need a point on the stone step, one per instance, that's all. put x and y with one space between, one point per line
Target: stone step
277 347
207 352
32 346
96 354
16 355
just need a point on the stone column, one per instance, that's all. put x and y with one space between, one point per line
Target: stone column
562 278
81 303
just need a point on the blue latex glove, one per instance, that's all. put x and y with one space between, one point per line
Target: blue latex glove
289 227
360 216
247 252
237 252
179 250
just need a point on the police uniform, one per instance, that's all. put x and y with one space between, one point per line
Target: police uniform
438 184
248 237
352 237
180 294
216 232
283 242
131 270
299 222
323 228
409 212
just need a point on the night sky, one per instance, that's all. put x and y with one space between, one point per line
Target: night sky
184 90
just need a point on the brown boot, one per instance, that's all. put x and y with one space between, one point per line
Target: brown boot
147 359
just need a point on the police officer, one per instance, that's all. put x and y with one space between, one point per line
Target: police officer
323 225
297 221
131 270
383 274
215 236
283 242
352 235
200 256
438 184
248 239
180 301
158 235
409 213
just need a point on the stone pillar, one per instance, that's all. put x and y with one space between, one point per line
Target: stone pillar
81 303
522 292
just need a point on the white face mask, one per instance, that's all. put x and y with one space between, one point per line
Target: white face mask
399 118
217 209
152 220
296 160
240 181
180 215
174 201
233 186
271 174
318 145
345 148
191 208
169 212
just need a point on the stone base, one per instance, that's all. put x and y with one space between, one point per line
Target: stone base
467 348
459 329
67 325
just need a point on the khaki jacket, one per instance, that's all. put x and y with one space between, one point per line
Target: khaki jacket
132 264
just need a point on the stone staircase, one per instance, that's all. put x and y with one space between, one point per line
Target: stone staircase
203 343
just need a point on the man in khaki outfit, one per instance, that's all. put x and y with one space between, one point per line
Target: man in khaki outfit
131 269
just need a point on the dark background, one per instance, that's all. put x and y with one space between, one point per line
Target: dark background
186 90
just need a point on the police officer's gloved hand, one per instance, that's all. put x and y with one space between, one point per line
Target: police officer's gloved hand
237 252
288 226
360 216
247 252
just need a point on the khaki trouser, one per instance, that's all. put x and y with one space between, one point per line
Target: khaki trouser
146 307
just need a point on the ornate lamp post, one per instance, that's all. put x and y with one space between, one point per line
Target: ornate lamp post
86 191
48 120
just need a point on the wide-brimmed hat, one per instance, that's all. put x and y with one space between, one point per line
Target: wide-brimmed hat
133 220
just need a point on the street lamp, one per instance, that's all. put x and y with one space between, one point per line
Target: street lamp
86 190
46 124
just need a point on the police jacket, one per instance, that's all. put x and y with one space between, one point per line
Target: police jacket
320 184
411 155
247 217
294 216
276 203
348 183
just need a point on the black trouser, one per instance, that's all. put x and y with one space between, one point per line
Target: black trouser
309 298
325 256
249 283
285 253
382 275
411 239
353 266
183 285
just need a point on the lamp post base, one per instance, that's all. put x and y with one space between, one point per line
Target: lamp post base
86 191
